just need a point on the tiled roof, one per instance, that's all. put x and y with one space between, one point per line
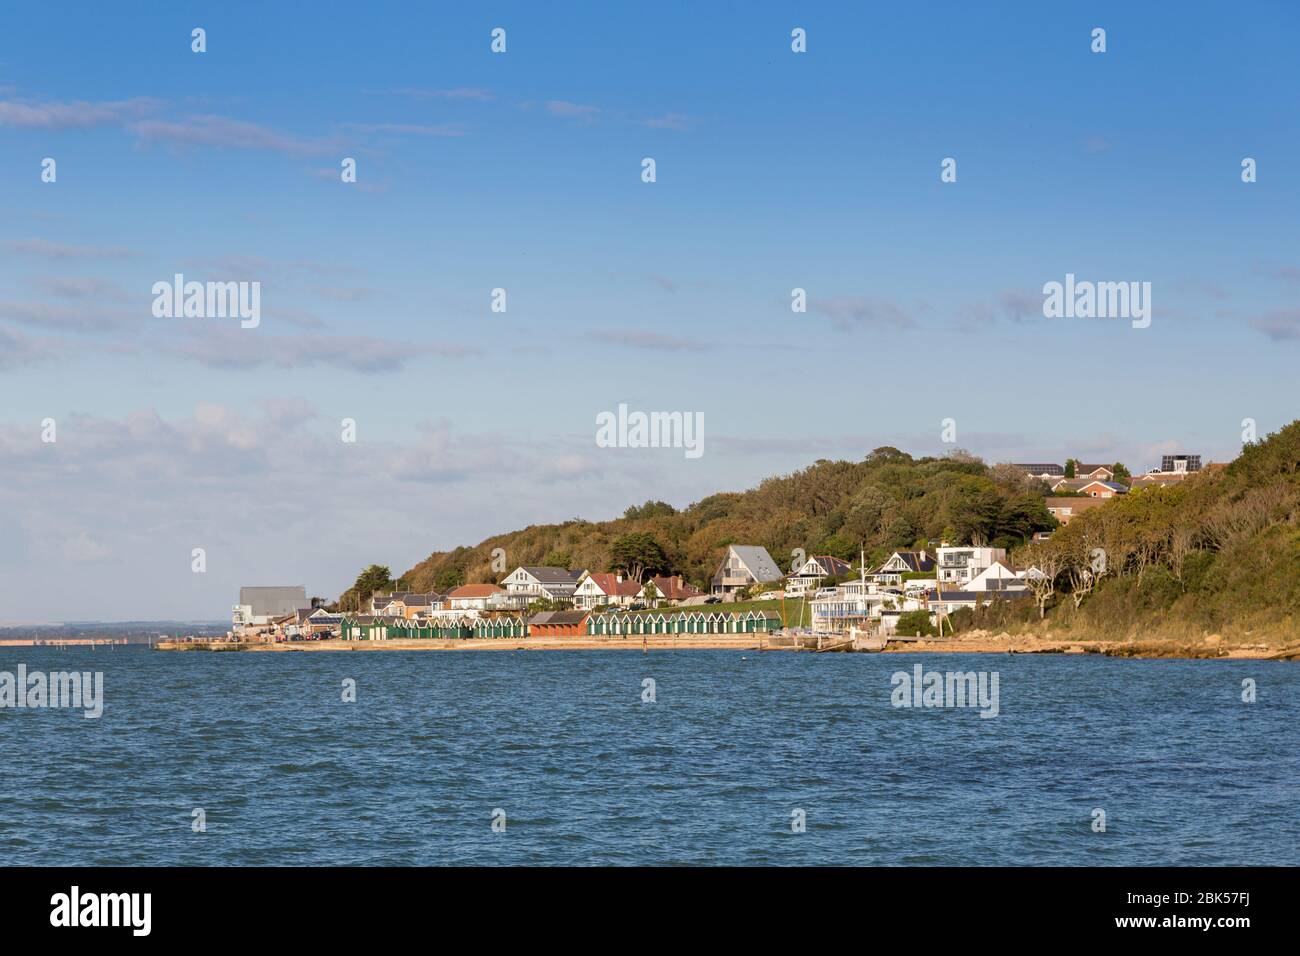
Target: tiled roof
474 591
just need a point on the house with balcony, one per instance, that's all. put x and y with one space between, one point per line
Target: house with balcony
534 583
744 565
890 574
851 604
813 571
960 565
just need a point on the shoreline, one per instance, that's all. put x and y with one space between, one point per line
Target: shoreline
1211 648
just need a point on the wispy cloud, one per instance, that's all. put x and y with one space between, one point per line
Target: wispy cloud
228 133
858 312
231 349
20 351
57 250
83 287
1280 325
43 315
570 110
1284 273
408 129
76 114
654 341
675 121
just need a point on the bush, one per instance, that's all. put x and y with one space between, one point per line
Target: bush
915 624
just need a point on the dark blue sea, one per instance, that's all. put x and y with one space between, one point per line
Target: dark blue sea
714 771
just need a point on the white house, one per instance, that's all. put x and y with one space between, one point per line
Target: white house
602 589
813 571
853 603
556 584
961 565
674 590
471 597
998 576
900 563
745 564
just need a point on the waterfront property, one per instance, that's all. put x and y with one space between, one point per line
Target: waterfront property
535 583
602 589
673 590
743 566
260 607
813 571
471 597
890 574
959 565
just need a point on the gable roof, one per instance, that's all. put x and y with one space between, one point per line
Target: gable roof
674 588
547 575
558 617
832 565
609 584
1073 503
757 562
913 559
474 591
1112 485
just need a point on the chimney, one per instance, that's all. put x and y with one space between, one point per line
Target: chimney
619 577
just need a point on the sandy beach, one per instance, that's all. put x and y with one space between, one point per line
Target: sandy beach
975 642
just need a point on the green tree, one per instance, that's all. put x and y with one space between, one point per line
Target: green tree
638 554
1071 467
559 558
1122 474
449 577
651 509
377 577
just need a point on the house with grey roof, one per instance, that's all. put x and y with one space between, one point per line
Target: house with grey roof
556 584
744 565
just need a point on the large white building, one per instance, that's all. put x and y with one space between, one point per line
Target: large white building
960 565
556 584
260 606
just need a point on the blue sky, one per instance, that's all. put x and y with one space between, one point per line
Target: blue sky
522 170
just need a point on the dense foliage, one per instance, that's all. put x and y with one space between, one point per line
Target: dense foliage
1218 552
889 500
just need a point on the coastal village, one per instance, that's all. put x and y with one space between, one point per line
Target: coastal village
748 593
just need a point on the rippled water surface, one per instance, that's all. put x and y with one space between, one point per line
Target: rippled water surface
287 773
